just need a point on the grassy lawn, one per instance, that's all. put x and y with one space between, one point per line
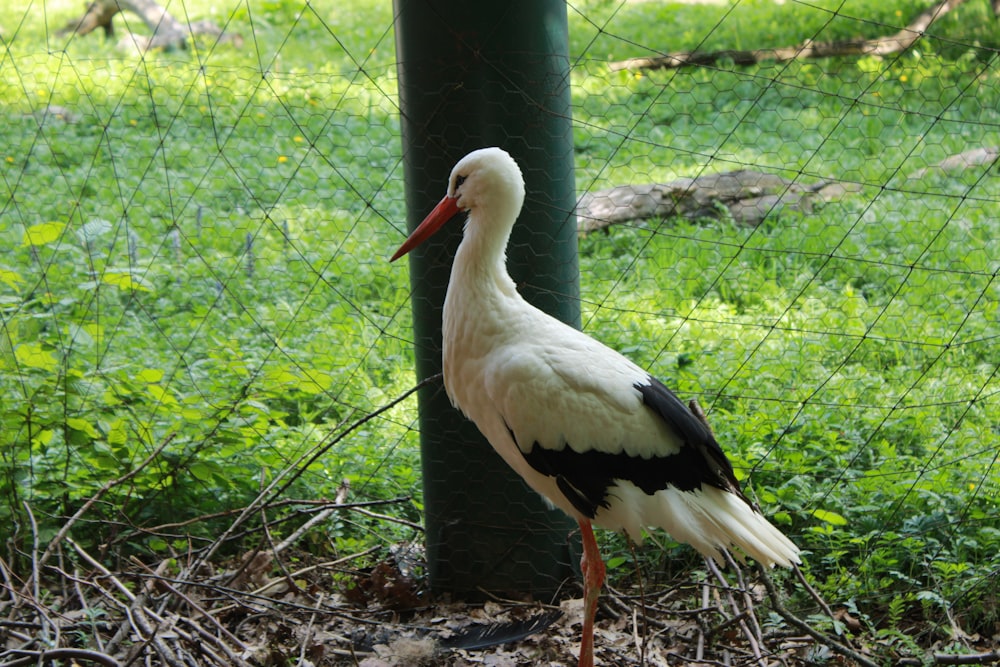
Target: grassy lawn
195 256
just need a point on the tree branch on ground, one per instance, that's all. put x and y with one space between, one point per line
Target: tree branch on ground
985 155
879 46
167 31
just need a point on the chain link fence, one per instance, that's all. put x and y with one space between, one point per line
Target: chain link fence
205 354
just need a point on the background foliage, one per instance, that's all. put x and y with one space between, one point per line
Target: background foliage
195 249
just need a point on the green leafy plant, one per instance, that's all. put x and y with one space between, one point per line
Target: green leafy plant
198 262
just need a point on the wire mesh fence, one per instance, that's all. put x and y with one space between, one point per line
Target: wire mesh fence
205 355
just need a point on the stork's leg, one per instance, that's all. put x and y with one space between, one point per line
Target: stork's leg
593 579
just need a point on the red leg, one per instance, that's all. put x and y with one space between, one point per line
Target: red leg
593 579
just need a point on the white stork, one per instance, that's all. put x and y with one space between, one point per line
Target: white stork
585 427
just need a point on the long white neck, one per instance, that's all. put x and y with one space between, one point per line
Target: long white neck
482 309
480 265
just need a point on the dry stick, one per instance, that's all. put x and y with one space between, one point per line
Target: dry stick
700 651
134 618
61 560
389 519
307 460
36 595
151 631
226 661
747 598
230 657
194 605
93 562
321 505
71 654
813 593
687 661
90 503
260 592
86 608
128 624
307 635
136 610
341 496
324 504
751 639
142 626
792 619
727 623
8 583
112 644
35 600
955 659
339 499
240 594
640 642
279 484
276 549
125 627
256 561
45 623
623 604
136 606
720 607
34 581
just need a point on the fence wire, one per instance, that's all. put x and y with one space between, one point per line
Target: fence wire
194 265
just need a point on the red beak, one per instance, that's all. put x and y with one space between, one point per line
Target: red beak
442 213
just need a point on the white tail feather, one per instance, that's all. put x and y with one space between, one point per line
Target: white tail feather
708 519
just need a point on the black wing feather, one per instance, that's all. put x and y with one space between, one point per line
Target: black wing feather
585 477
716 470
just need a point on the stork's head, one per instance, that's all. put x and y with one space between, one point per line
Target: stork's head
487 179
486 182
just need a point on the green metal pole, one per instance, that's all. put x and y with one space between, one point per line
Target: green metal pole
476 74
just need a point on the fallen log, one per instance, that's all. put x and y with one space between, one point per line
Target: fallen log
748 196
879 46
166 31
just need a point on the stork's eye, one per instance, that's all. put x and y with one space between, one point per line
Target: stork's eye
459 180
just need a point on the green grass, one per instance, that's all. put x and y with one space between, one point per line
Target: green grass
200 259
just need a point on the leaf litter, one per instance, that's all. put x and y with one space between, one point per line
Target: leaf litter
281 605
